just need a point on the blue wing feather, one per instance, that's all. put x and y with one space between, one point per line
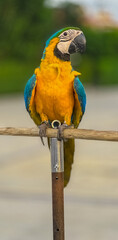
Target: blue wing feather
28 90
28 96
78 87
80 102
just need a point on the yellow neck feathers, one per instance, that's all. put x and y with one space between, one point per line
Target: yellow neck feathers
51 66
51 59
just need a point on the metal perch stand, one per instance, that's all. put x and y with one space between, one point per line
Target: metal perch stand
57 166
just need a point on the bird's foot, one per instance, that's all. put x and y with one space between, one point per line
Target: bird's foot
60 131
42 130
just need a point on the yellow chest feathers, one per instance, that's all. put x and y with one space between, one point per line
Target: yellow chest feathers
54 92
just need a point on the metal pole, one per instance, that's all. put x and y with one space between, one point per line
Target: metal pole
57 166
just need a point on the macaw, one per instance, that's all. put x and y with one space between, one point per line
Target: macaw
54 92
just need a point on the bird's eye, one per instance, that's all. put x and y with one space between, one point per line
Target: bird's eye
65 33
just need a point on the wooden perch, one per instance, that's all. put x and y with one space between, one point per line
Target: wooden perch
68 133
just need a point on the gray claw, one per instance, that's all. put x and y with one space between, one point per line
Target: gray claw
60 131
42 130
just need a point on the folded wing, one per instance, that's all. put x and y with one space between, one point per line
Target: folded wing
80 102
29 96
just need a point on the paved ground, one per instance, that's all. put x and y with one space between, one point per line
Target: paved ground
91 198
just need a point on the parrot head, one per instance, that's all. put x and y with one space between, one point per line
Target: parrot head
70 40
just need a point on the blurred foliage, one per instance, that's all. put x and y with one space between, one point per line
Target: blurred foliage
13 75
25 25
68 14
24 28
99 64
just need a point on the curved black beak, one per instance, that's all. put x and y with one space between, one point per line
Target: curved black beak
78 44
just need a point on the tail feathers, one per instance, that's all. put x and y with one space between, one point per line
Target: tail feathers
69 148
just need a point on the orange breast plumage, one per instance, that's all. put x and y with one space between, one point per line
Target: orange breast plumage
54 92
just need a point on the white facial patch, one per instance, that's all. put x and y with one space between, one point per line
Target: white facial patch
66 38
64 46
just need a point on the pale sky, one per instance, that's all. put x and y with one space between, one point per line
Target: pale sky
93 5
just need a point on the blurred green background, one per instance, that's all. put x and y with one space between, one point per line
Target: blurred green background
26 25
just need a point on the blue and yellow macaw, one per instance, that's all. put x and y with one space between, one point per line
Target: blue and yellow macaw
54 92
